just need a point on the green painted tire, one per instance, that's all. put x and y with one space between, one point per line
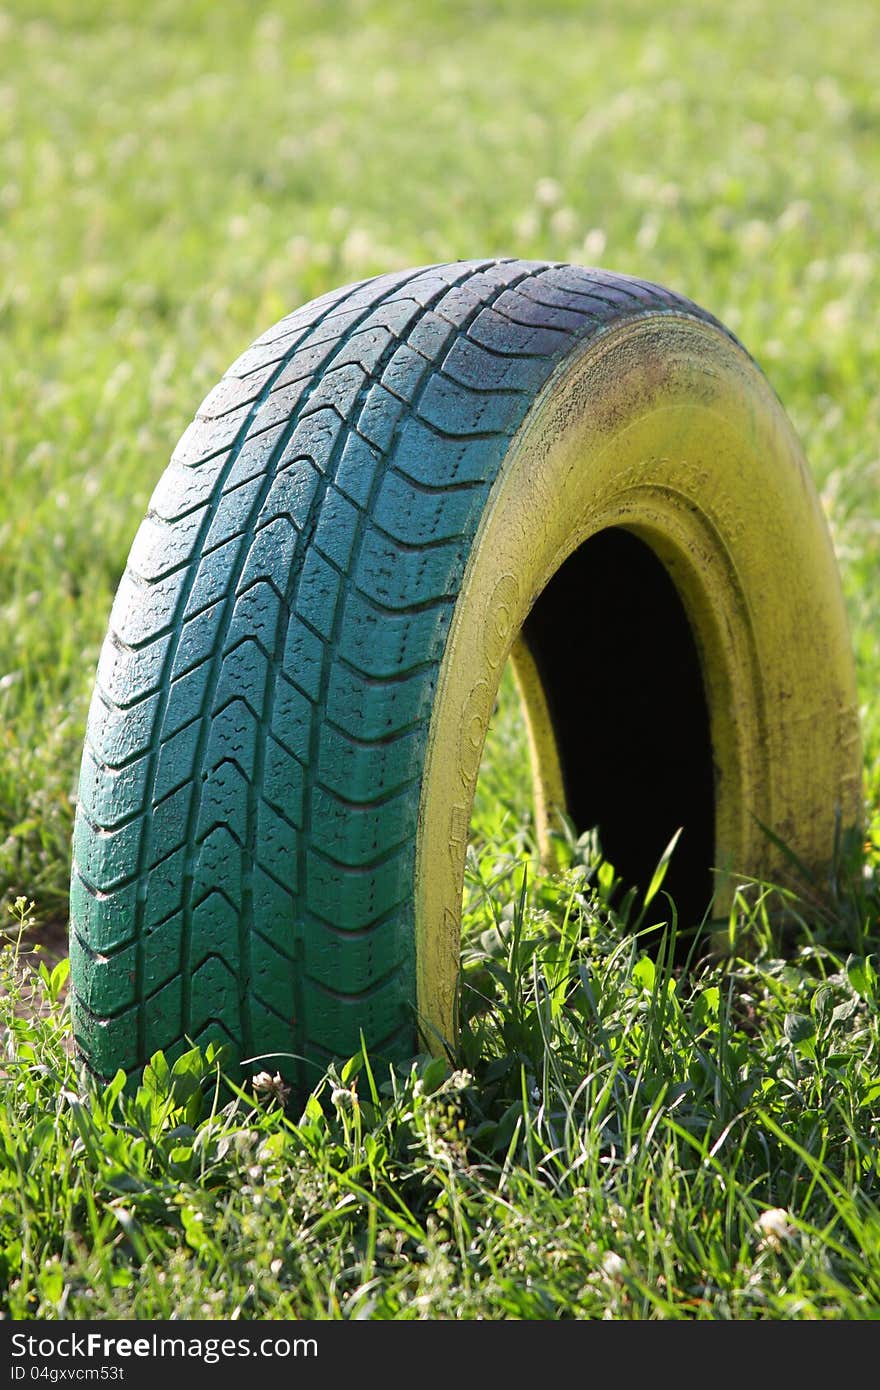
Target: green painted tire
390 490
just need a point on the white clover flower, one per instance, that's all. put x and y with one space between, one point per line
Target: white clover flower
547 193
755 236
594 244
527 225
836 315
613 1264
270 1085
775 1228
564 222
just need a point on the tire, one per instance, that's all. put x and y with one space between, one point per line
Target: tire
388 493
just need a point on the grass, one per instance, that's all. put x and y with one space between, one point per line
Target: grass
613 1129
617 1139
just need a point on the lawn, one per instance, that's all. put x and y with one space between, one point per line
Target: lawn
615 1131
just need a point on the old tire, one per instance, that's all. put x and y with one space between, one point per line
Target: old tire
388 492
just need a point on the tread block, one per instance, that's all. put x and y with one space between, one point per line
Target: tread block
109 1043
367 347
354 899
430 335
270 555
544 290
306 361
461 302
387 645
303 658
358 466
232 513
233 735
595 307
313 438
125 675
141 611
107 858
187 697
336 326
621 295
291 493
358 835
336 1022
168 823
214 928
369 292
163 1014
281 406
337 528
283 782
292 716
180 489
176 762
435 461
577 280
254 459
214 995
361 772
107 985
404 578
519 308
243 674
277 843
365 712
204 439
263 358
379 417
334 958
405 372
160 547
273 909
165 888
448 300
572 279
199 637
415 517
272 977
232 392
474 366
318 594
107 922
211 582
501 334
162 952
256 612
506 271
339 387
223 809
108 796
218 862
397 315
457 410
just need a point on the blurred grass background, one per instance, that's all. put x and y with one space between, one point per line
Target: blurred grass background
173 178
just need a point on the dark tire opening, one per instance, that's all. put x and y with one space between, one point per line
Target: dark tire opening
622 677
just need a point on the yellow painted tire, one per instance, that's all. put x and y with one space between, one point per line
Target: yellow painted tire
654 558
393 490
